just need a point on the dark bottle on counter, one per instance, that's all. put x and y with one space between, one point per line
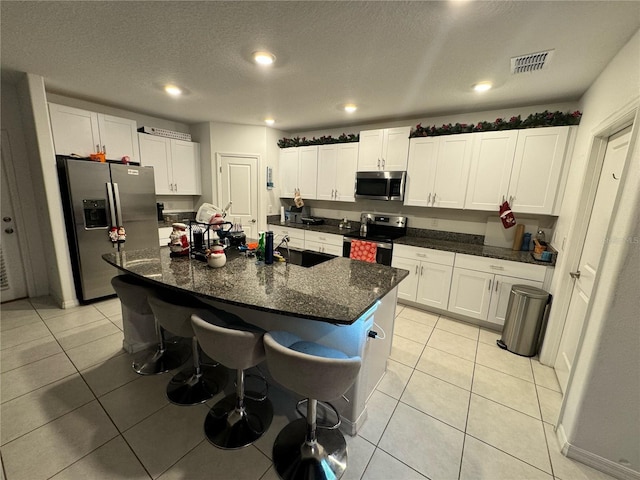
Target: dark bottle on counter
268 248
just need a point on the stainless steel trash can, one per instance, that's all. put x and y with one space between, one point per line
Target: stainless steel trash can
523 321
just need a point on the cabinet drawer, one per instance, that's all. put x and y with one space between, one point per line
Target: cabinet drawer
329 238
293 233
424 254
501 267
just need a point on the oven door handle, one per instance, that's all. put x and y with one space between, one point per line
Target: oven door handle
383 245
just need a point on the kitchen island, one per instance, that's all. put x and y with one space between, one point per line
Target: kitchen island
335 303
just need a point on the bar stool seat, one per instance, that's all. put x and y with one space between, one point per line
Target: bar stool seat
163 357
241 418
302 450
197 383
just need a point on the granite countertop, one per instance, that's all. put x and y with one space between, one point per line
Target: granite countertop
472 249
337 291
467 244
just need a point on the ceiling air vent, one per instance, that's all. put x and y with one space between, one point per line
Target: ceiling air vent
531 63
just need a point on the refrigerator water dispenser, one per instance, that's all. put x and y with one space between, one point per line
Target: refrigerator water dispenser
95 213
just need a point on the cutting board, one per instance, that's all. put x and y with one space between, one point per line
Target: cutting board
497 236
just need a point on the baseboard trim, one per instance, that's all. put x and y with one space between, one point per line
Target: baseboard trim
592 460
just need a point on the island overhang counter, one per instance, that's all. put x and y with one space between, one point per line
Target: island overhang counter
337 303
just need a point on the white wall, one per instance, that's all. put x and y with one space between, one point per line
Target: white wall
27 203
44 177
601 411
246 139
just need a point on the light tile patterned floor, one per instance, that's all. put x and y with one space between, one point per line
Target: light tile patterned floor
451 406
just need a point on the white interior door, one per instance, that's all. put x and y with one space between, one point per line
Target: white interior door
238 183
12 280
595 239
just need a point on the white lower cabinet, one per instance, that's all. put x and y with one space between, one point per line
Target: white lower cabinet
500 296
479 292
429 277
296 236
323 242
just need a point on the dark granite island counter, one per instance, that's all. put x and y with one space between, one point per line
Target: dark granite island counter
335 303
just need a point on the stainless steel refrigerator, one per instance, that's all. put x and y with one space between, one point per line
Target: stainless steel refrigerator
96 198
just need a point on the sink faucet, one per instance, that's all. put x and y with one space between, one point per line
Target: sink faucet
285 240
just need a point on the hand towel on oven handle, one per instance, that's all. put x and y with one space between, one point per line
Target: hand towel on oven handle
363 250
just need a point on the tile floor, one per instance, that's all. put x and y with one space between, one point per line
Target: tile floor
451 406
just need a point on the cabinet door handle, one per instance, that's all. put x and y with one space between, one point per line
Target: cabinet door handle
336 195
423 255
497 282
511 199
575 274
97 148
434 199
104 149
503 199
421 269
429 200
416 269
383 162
496 267
490 282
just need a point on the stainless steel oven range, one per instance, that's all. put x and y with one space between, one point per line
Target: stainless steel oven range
380 229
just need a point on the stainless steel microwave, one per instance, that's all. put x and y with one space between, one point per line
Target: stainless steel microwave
380 185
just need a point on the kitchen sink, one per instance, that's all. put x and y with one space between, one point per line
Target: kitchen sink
304 258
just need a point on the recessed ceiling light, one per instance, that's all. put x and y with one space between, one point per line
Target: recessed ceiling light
350 108
482 86
269 121
173 90
264 58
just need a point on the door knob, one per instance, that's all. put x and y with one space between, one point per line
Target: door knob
6 219
253 220
8 230
575 274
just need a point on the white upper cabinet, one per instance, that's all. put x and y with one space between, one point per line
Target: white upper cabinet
288 168
308 171
452 171
421 171
438 170
176 164
337 165
537 166
81 132
298 170
490 171
521 166
384 149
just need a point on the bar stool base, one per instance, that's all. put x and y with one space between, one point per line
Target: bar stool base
229 428
187 388
294 460
153 362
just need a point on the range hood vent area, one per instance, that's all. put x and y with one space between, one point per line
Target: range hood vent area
531 62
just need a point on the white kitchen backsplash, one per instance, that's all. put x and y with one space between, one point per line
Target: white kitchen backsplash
176 203
459 221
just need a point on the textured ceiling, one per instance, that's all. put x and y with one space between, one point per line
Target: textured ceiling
394 59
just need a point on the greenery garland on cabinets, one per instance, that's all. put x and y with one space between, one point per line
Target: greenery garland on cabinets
544 119
324 140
